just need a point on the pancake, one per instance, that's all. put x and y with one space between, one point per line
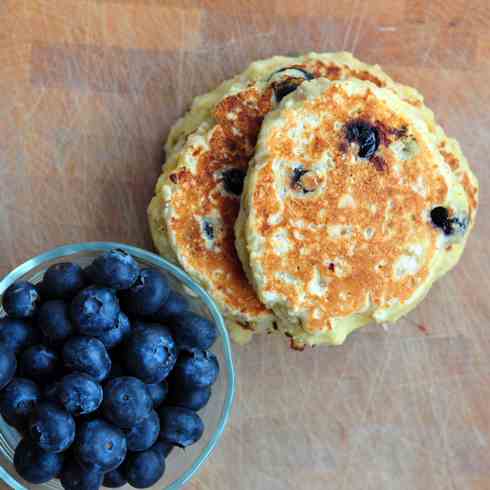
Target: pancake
354 204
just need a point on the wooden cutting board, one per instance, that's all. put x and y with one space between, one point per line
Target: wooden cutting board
88 91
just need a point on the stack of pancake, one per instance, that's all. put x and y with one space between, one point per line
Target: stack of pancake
311 196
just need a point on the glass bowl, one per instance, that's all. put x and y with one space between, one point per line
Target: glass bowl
180 465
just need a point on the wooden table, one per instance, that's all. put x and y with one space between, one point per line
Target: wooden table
89 89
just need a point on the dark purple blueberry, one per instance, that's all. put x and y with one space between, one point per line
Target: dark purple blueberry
150 353
62 281
144 469
114 269
208 229
158 392
180 426
35 465
114 478
51 427
298 183
440 219
195 368
163 447
365 135
191 398
17 335
17 401
144 434
147 294
73 476
117 334
233 180
94 310
8 366
176 304
79 393
297 72
54 321
39 363
20 300
100 444
126 401
290 82
88 355
191 330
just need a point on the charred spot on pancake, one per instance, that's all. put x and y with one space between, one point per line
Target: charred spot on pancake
173 178
294 76
440 219
208 229
300 182
379 163
233 180
365 135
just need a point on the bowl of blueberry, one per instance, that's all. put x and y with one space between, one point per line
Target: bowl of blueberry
115 371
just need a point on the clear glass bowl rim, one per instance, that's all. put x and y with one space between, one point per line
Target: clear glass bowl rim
141 254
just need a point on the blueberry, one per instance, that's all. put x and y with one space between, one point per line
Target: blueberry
88 355
143 434
126 401
100 444
17 400
73 476
39 363
51 427
180 426
440 219
163 447
8 366
150 353
158 392
300 184
117 334
208 229
94 310
290 82
62 281
114 269
299 72
195 369
144 469
176 304
191 330
17 335
365 135
147 294
20 300
54 321
192 398
233 180
35 465
79 393
114 478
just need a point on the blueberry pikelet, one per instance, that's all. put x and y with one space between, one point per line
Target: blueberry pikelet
197 197
350 210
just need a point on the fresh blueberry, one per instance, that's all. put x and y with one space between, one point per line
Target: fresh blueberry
62 281
35 465
17 400
180 426
144 434
191 330
117 334
88 355
158 392
114 478
114 269
176 304
233 180
20 300
100 444
79 393
147 294
126 401
144 469
94 310
163 447
192 398
365 135
51 427
195 368
39 363
150 353
8 366
17 335
54 321
73 476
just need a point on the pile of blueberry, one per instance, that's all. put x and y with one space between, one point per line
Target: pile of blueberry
102 371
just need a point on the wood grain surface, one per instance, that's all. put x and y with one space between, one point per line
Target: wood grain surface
88 91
